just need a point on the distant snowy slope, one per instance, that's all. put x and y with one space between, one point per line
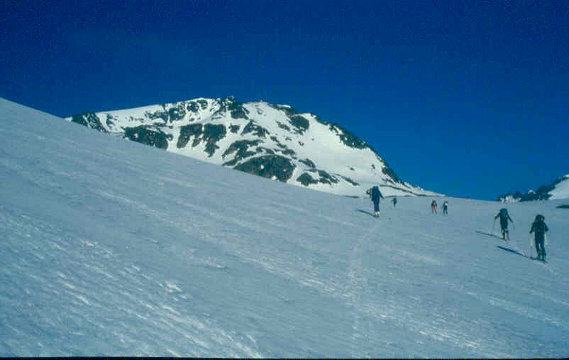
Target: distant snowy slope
559 189
109 247
272 141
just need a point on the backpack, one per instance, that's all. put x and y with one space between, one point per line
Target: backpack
375 193
539 225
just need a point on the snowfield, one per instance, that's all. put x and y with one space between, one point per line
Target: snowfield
110 247
561 190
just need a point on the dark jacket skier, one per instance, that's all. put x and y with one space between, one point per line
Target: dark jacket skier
445 208
504 217
375 197
394 201
539 228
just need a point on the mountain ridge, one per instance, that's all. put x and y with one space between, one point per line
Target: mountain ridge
558 189
270 140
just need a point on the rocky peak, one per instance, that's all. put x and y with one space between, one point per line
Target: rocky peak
273 141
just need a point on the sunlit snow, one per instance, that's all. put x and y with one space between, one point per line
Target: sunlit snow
110 247
561 190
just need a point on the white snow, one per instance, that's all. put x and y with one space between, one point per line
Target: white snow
111 247
561 190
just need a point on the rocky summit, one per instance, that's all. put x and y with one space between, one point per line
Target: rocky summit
272 141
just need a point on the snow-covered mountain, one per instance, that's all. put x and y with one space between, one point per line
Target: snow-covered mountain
273 141
109 248
559 189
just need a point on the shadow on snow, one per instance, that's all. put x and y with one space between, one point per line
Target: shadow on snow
511 251
365 212
489 234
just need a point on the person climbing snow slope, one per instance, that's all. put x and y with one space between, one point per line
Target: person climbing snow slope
375 197
434 207
539 228
504 217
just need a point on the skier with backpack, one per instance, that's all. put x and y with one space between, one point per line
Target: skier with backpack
394 201
375 195
445 208
504 217
539 228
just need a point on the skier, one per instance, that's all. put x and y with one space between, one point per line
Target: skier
375 197
434 207
394 201
504 217
539 228
445 208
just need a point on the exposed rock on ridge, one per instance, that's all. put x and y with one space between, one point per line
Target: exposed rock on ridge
273 141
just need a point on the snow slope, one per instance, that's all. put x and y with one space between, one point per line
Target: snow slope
561 189
110 247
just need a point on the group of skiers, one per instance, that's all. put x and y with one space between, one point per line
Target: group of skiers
434 207
376 196
539 228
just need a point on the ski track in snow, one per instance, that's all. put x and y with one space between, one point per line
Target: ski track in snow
305 274
357 284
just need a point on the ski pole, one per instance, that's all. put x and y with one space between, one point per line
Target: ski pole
493 224
545 240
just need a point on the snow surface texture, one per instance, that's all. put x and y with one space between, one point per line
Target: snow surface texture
273 141
110 247
561 190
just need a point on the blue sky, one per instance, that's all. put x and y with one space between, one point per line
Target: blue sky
465 98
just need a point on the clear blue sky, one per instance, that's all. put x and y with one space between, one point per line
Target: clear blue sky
467 98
